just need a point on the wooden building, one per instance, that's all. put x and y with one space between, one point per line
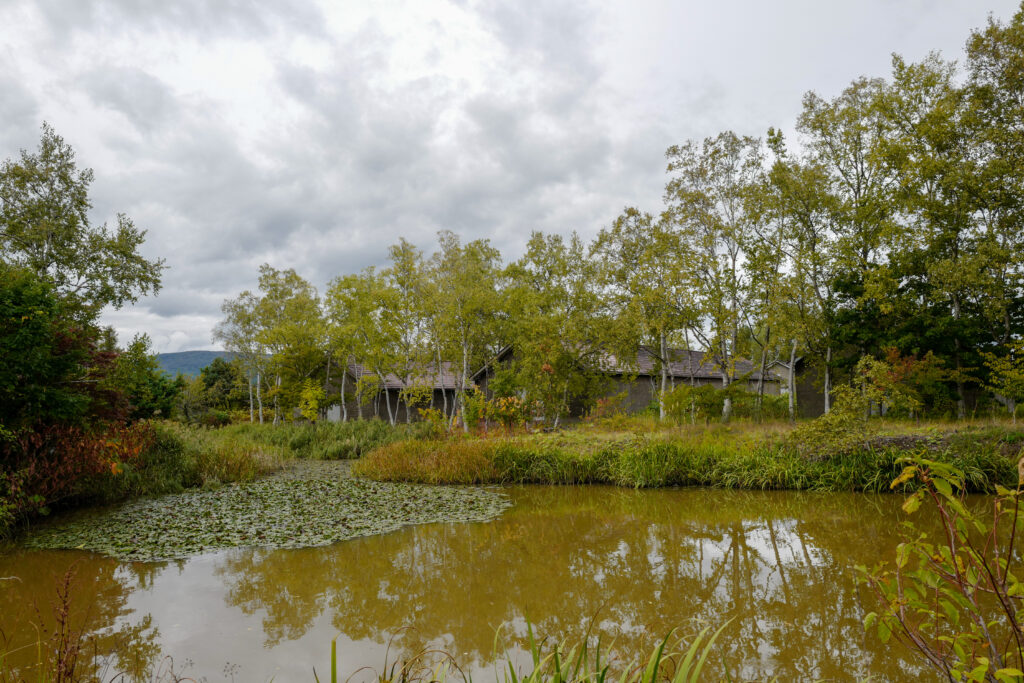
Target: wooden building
640 379
443 385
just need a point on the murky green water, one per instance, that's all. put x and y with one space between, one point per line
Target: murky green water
637 563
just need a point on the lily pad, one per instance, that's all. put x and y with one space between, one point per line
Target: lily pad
280 512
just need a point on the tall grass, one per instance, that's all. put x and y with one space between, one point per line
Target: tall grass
457 461
673 660
324 440
183 457
744 459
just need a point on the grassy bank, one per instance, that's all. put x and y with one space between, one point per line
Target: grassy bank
153 458
321 441
745 456
183 456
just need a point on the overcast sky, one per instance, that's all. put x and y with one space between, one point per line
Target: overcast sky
313 135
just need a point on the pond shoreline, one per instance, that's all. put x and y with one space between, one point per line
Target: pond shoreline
754 459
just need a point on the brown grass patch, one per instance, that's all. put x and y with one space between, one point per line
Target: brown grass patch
456 461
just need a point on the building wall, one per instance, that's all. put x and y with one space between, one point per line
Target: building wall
810 399
642 391
379 410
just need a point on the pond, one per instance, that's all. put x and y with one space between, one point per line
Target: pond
635 564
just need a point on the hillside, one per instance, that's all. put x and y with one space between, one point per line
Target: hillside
189 362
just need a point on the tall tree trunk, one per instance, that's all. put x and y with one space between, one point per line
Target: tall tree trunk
664 375
961 402
693 378
405 400
760 378
387 399
462 386
252 416
564 406
259 394
828 380
344 403
327 387
277 400
440 374
792 383
727 403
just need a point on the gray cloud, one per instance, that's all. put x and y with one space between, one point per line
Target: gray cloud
19 112
141 98
314 135
199 17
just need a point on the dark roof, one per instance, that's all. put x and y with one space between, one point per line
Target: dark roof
448 378
684 364
502 354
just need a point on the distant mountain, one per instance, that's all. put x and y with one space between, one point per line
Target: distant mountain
190 362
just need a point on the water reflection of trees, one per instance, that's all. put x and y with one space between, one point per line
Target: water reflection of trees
643 562
98 596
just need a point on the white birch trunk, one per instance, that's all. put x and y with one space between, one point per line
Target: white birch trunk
792 383
387 399
664 376
462 387
344 403
828 380
277 401
259 394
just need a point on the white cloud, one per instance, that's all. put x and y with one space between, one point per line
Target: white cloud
314 135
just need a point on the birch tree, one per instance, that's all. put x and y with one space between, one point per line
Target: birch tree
799 197
708 198
648 272
467 295
239 333
355 305
290 327
405 318
556 323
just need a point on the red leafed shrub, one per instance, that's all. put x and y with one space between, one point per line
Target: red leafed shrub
47 465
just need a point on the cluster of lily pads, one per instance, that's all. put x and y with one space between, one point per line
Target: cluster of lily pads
280 512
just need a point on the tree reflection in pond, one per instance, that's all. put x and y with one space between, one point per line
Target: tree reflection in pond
642 562
115 639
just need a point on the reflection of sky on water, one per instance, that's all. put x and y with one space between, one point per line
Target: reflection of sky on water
635 563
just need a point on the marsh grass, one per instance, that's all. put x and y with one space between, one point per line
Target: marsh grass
184 457
674 660
455 461
744 457
323 440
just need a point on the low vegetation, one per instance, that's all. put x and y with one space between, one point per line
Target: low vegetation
674 660
72 469
953 598
738 456
323 440
64 469
301 507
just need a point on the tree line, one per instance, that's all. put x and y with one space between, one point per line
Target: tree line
891 227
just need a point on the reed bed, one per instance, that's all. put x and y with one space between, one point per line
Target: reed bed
744 458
